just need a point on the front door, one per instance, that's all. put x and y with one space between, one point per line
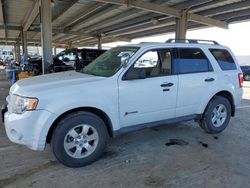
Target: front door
151 96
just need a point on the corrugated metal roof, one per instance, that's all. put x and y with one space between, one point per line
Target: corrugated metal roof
80 22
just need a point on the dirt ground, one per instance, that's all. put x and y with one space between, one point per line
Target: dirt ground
141 159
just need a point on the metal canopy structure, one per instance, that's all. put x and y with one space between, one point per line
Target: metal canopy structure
89 22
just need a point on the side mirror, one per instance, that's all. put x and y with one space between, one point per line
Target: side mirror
135 73
125 59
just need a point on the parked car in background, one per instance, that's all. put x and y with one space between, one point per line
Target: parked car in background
246 72
6 55
69 59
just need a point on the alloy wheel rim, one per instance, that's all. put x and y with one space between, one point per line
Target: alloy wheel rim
81 141
219 115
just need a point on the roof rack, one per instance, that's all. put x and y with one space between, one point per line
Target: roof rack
191 41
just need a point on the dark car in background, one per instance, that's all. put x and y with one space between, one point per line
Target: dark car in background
246 72
69 59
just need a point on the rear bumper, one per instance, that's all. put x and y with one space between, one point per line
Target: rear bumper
238 97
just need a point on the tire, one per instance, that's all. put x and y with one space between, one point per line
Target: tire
79 139
216 116
246 77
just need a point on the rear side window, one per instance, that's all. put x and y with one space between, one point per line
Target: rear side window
191 60
224 59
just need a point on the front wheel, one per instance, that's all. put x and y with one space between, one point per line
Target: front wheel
79 139
216 116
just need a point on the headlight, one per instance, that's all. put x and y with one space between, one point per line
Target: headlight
23 104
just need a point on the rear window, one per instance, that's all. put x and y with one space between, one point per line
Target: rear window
224 59
191 60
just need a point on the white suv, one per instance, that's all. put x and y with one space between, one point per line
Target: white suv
125 89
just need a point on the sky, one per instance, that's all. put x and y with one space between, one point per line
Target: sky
237 37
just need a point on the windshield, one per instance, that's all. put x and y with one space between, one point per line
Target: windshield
109 62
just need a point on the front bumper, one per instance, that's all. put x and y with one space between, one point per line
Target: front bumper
30 128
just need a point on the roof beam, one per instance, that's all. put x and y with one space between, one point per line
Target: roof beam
63 31
166 10
104 40
126 17
92 19
152 7
145 26
230 15
206 20
31 16
15 39
83 13
226 8
10 27
71 4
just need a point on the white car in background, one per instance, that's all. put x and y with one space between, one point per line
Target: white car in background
76 112
6 55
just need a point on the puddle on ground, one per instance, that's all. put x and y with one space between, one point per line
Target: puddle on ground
203 144
216 137
178 142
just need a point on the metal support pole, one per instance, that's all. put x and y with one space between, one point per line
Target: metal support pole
15 51
54 50
99 43
18 57
46 34
24 45
69 45
181 26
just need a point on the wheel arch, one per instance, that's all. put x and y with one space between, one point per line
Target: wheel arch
93 110
228 95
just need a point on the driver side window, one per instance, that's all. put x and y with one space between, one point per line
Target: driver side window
150 62
153 63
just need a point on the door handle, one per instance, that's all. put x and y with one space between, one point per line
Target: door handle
209 79
166 89
167 84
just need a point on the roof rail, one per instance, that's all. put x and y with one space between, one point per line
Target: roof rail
191 41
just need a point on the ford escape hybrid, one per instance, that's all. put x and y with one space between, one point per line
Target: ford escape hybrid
125 89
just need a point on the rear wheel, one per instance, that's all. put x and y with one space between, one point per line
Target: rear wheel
79 139
216 116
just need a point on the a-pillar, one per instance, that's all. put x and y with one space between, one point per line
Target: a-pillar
181 26
46 34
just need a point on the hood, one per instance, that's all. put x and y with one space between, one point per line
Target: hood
27 87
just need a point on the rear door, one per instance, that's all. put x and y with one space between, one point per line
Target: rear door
196 80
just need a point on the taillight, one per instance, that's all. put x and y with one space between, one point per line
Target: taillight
240 76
